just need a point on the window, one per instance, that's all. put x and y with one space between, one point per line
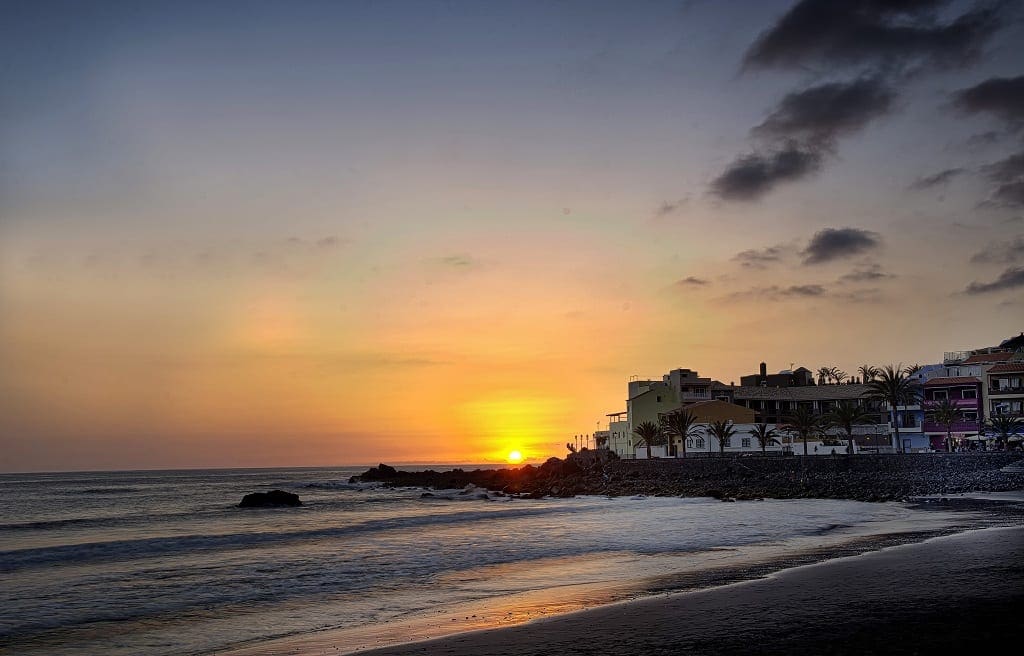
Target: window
970 416
725 442
970 393
689 443
938 395
746 441
700 442
659 399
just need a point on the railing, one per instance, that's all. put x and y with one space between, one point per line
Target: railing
955 427
929 404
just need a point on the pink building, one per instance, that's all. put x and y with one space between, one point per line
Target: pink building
965 393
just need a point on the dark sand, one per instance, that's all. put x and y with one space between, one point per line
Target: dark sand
961 593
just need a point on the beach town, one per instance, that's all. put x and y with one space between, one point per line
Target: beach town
970 401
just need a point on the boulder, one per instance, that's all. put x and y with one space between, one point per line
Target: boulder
270 499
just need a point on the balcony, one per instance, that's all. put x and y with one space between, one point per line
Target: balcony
960 403
967 426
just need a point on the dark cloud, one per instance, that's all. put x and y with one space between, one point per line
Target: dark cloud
1008 252
869 272
1009 279
818 115
779 293
1002 97
759 258
1010 194
937 179
884 33
691 281
884 39
754 175
836 243
803 290
1006 170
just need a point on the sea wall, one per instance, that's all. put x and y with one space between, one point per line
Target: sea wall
861 477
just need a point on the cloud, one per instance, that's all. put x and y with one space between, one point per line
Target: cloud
878 40
1002 97
752 176
1010 194
868 272
759 258
1001 252
818 115
1009 279
936 179
1006 170
837 33
836 243
803 290
667 208
457 261
691 281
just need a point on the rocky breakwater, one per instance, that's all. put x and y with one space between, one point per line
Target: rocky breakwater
860 477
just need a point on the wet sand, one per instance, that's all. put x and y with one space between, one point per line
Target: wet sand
957 593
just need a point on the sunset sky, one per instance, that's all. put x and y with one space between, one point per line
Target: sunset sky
317 233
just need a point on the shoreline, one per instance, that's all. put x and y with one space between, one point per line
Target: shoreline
827 606
937 518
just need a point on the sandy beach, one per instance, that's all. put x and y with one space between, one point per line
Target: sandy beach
949 594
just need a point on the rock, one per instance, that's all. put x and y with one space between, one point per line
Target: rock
270 499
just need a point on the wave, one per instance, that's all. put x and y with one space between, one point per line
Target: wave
120 550
109 490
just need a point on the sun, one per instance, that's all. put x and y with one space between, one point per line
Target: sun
515 457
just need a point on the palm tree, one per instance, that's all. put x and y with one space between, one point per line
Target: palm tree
721 430
824 375
681 424
1003 427
946 413
765 436
804 424
649 433
838 376
845 415
867 372
893 386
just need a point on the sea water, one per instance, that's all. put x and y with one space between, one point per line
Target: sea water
166 563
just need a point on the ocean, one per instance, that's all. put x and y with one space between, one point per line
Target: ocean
163 562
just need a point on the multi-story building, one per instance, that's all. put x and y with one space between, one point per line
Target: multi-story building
1005 387
965 393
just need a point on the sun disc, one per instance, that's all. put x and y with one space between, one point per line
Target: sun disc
515 457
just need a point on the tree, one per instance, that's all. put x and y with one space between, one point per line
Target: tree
681 424
765 436
721 430
824 375
649 433
1003 427
804 424
845 416
867 372
945 413
838 376
893 386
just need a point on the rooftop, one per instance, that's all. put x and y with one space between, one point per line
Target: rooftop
953 380
1011 367
989 358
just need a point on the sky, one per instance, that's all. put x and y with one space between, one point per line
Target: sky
256 234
